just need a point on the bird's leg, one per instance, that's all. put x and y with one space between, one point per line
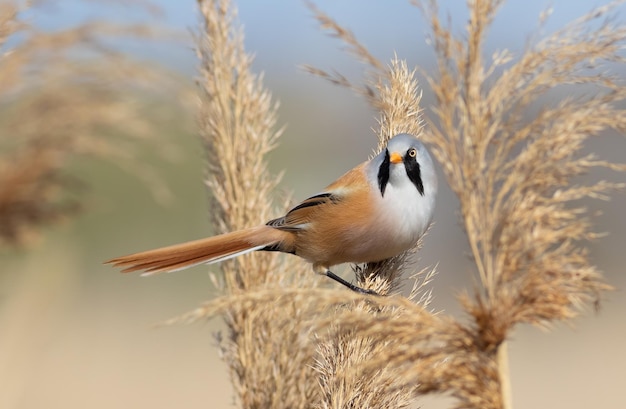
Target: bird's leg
351 286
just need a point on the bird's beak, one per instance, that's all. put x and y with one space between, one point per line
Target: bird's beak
395 157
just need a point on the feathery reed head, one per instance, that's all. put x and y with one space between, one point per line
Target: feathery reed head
269 367
513 177
512 172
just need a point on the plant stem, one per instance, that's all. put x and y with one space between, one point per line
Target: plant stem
504 375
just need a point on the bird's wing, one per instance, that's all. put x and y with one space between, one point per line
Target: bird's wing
298 217
301 215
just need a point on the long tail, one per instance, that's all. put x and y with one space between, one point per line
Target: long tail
203 251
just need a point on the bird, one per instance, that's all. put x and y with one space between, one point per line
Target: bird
373 212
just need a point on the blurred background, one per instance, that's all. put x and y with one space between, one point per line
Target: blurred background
110 85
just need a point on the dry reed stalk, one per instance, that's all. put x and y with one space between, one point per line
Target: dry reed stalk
397 99
58 107
269 366
513 177
266 324
393 92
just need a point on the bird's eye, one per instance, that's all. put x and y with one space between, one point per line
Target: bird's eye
412 152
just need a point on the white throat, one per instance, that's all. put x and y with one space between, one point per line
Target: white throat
406 210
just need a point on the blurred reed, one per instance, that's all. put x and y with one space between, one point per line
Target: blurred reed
68 94
65 95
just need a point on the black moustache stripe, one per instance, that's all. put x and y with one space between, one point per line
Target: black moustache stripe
414 173
383 173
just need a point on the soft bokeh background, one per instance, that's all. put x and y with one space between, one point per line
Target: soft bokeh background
76 334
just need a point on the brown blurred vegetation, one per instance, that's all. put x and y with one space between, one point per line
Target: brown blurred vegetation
70 94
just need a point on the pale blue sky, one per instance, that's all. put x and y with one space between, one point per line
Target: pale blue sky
283 34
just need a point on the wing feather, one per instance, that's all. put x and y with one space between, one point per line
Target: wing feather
301 215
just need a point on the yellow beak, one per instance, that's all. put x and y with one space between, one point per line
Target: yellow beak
395 157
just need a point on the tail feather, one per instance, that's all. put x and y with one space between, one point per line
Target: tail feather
203 251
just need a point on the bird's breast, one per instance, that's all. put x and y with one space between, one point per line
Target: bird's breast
407 212
366 227
402 216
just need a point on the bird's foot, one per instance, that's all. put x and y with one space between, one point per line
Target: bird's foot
351 286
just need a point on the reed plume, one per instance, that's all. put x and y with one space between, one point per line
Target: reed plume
268 365
512 170
514 180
